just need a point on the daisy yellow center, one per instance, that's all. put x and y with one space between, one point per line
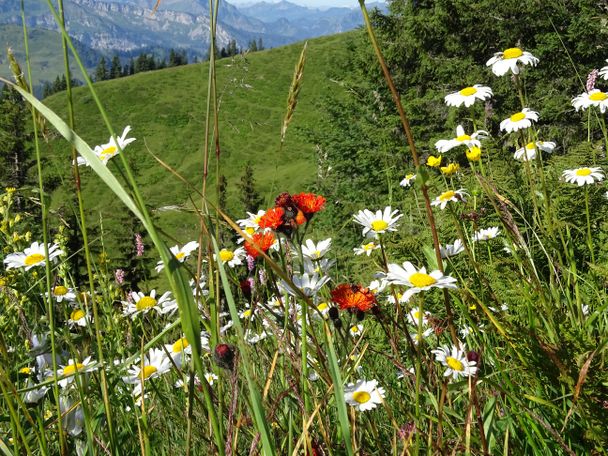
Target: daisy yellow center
317 253
77 315
468 91
25 370
446 196
322 306
180 345
517 117
379 225
72 368
583 172
34 258
416 314
226 255
361 396
530 146
462 138
409 176
598 96
354 330
60 290
454 364
180 255
250 230
145 303
369 246
421 280
247 313
147 371
512 53
108 152
474 153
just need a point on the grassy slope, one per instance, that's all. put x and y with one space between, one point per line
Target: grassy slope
166 111
45 53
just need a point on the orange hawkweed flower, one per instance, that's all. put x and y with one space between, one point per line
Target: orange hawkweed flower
353 297
262 240
309 203
273 218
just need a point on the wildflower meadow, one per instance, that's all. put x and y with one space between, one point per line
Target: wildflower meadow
458 305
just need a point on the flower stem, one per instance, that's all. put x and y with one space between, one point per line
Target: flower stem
589 237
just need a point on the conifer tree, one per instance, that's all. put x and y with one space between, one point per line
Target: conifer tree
101 72
250 197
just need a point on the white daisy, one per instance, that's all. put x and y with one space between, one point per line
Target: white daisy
232 257
396 297
32 256
72 368
417 279
455 196
315 251
417 338
110 149
366 248
181 254
507 60
79 317
179 350
356 330
252 223
486 234
583 176
142 303
468 96
461 139
210 377
414 315
155 364
363 395
378 222
307 284
248 313
72 417
519 120
320 267
62 293
528 152
451 249
408 180
455 359
323 308
595 98
604 71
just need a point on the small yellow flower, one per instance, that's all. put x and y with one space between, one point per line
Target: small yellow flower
452 168
10 189
433 161
474 154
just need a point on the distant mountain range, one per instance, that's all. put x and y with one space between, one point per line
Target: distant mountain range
129 27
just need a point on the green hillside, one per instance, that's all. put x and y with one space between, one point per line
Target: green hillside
166 111
45 53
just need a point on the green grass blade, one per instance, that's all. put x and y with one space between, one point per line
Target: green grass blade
256 400
334 368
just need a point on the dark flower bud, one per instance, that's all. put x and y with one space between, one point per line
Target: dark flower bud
283 200
246 287
473 356
337 323
223 355
360 315
334 313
